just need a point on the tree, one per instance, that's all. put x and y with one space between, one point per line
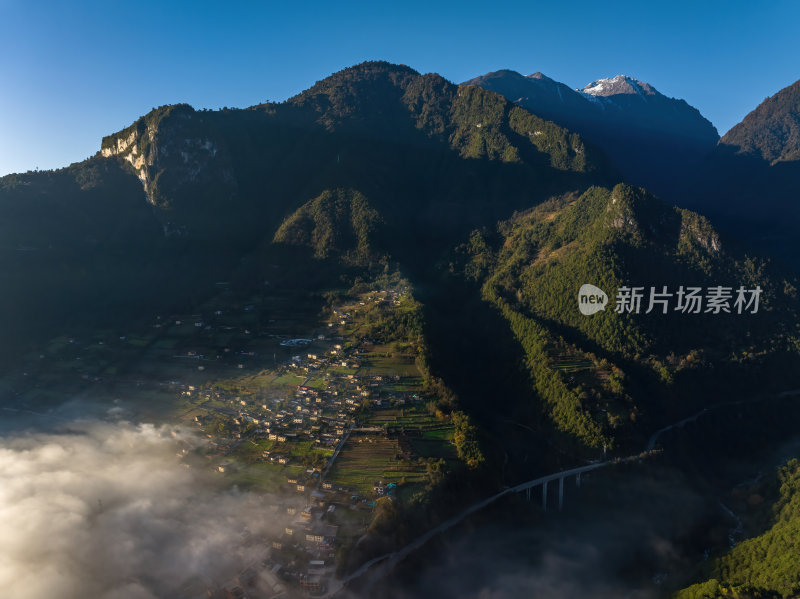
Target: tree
435 471
466 441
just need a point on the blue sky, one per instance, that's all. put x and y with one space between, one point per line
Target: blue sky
71 72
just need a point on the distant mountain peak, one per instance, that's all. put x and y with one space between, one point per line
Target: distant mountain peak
510 75
621 84
541 77
654 140
505 73
771 130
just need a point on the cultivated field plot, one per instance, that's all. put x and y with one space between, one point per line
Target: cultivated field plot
571 364
265 477
578 369
411 418
366 459
383 360
428 436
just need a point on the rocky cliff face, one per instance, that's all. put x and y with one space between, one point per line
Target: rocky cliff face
174 152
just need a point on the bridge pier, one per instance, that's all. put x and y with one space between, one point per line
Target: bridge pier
544 496
528 493
578 480
560 493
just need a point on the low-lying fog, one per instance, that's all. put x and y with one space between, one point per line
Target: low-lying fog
108 510
103 508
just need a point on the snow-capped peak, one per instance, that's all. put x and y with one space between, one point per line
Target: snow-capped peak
621 84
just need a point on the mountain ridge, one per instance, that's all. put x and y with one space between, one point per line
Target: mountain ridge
771 130
304 185
654 140
433 158
749 182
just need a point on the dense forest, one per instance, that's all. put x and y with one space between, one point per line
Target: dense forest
765 565
591 372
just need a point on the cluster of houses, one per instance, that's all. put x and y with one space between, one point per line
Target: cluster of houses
310 533
322 413
322 409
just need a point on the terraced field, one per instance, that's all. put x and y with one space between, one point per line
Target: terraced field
369 458
413 418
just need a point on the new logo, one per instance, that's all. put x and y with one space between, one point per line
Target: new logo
591 299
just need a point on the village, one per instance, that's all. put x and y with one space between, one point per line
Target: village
297 430
317 414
